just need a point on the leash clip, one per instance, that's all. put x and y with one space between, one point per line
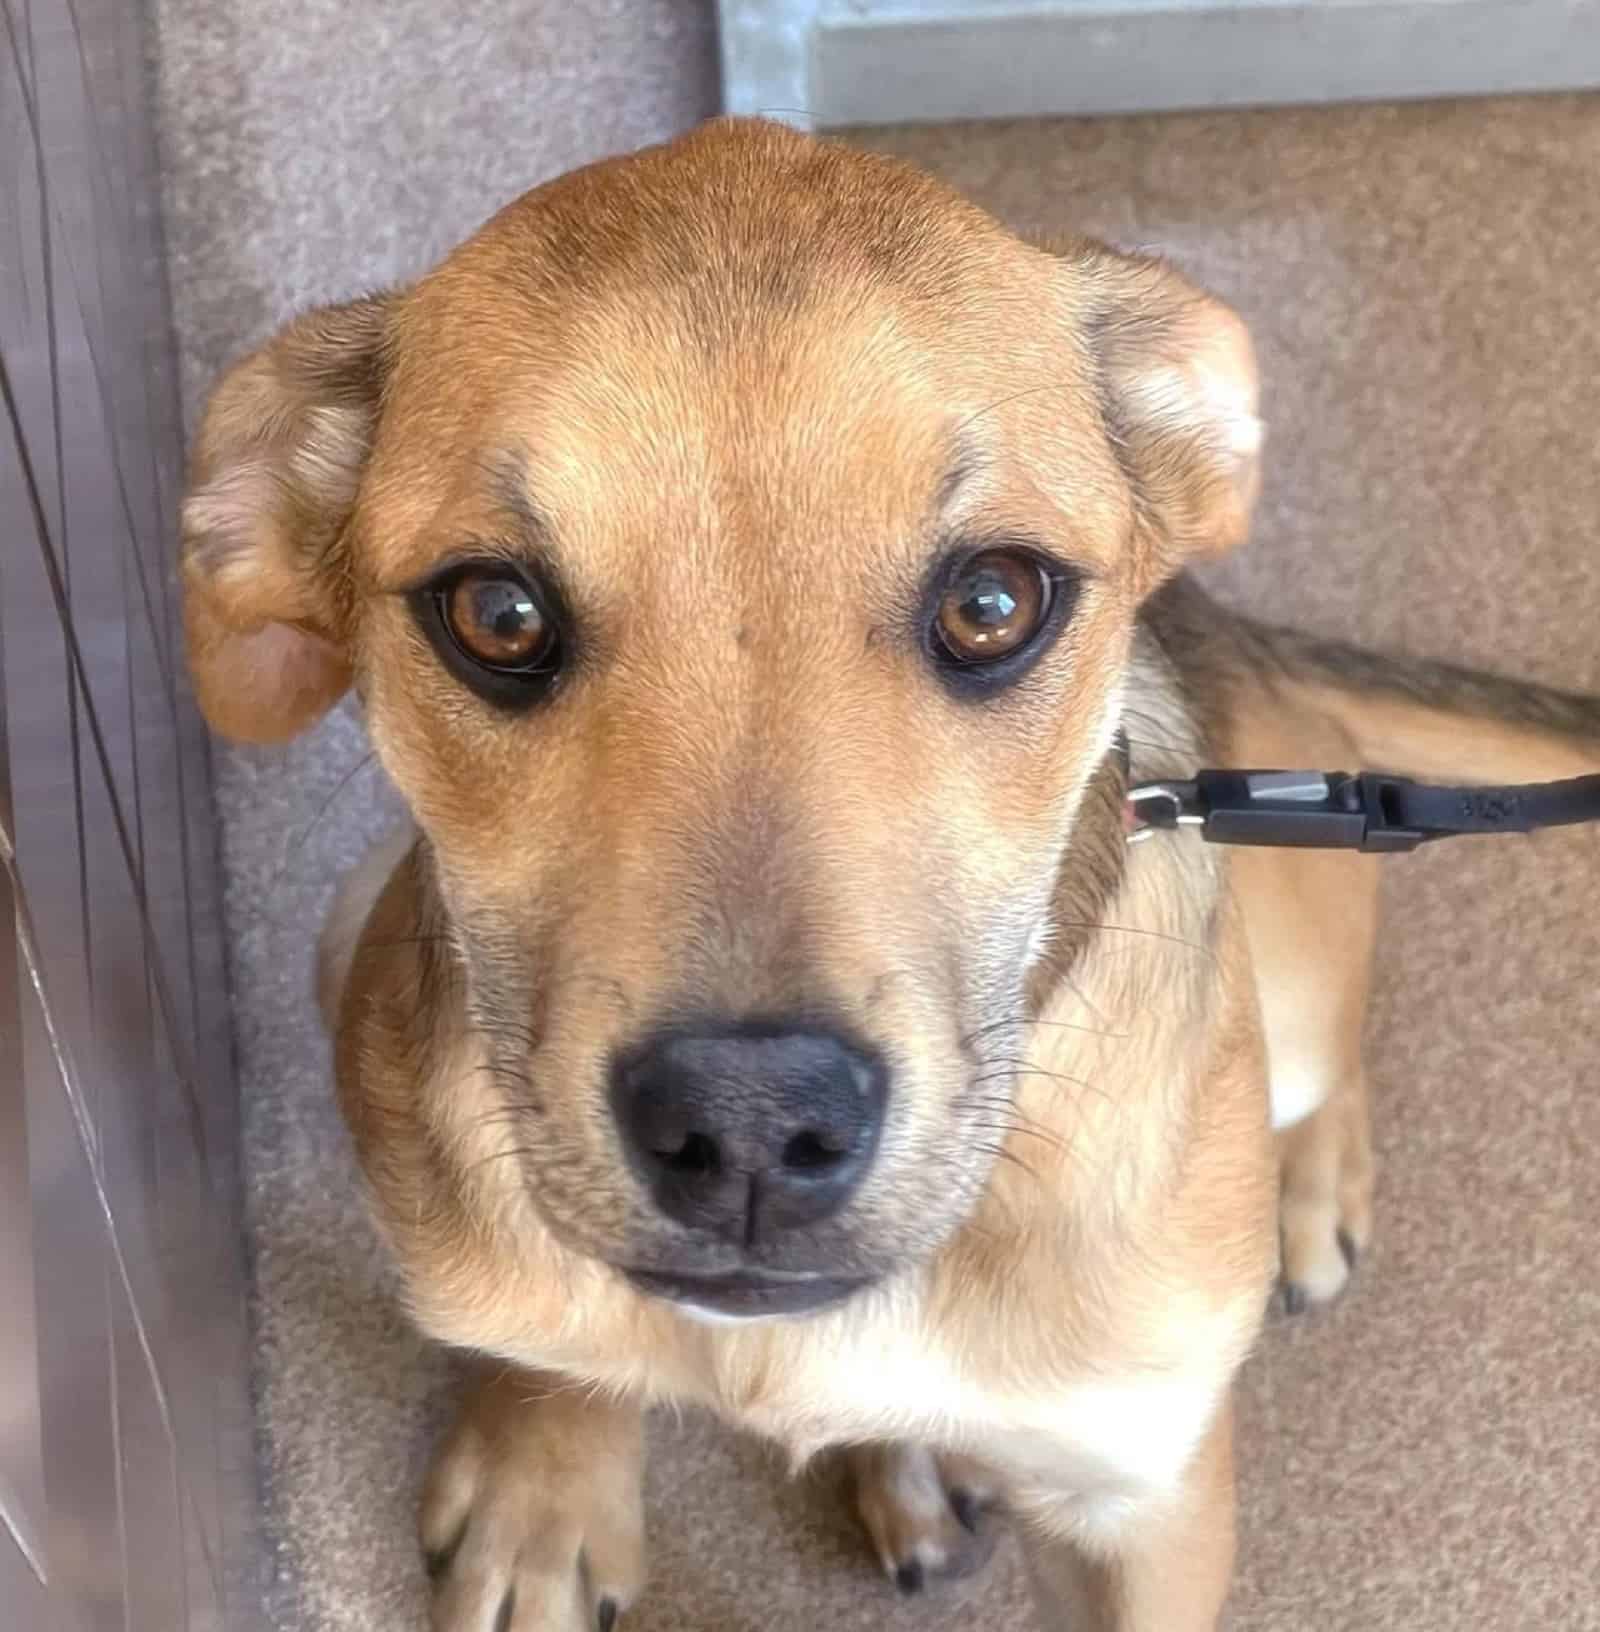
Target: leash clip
1301 810
1160 807
1338 810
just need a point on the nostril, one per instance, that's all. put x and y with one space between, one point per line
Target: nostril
811 1150
697 1157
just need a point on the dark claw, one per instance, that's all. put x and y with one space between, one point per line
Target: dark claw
508 1607
439 1559
908 1578
1295 1299
607 1614
965 1507
1350 1250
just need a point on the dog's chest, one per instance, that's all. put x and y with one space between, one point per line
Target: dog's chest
1103 1436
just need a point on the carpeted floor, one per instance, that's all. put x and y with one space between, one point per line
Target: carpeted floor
1426 1456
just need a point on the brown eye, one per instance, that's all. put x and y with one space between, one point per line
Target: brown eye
995 605
497 620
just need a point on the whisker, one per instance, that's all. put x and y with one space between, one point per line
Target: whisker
1162 745
1015 396
504 1074
1012 1073
520 1032
1019 1062
1019 1131
1023 1068
294 846
512 1112
503 1155
1134 929
1001 1153
969 1038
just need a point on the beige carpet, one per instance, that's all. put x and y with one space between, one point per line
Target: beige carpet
1422 282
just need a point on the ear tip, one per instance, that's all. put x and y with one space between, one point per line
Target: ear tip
1245 434
265 685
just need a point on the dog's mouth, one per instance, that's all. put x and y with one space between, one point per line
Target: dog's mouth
748 1294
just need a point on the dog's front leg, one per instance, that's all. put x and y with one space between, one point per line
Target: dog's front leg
531 1519
1164 1570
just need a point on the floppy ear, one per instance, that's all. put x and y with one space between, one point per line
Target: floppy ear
1179 394
276 468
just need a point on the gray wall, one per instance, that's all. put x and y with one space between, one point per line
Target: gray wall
126 1478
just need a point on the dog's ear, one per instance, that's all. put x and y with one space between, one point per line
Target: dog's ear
277 464
1179 393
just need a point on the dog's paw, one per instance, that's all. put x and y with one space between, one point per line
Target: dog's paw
531 1520
930 1516
1325 1201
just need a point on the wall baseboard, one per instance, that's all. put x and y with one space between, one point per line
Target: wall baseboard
844 62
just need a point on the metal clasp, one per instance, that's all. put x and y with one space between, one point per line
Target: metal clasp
1155 807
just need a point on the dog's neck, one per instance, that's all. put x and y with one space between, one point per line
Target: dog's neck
1156 736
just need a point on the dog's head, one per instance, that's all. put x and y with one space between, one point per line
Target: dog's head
736 550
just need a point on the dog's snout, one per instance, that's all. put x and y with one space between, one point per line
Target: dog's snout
747 1133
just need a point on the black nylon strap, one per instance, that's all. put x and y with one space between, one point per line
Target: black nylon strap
1439 813
1334 810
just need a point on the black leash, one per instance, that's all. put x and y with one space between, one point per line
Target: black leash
1332 810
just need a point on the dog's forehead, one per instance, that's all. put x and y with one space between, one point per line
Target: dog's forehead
739 208
742 332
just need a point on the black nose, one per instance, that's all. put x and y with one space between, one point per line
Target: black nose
746 1132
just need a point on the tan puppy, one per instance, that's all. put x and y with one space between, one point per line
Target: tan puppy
746 554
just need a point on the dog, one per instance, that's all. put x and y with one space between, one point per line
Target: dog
763 575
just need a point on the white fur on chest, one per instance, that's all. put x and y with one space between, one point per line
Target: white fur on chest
1101 1446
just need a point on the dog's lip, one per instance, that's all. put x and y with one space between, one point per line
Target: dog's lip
749 1292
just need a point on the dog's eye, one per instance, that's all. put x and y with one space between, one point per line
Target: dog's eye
996 603
497 621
